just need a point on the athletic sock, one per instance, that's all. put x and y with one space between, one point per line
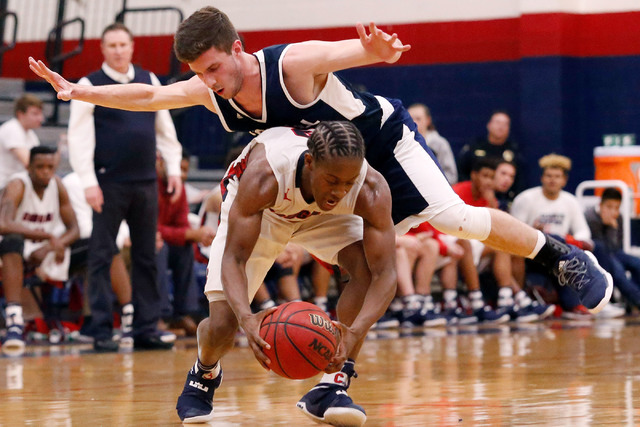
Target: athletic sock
266 304
321 302
550 252
522 299
505 297
126 318
412 302
348 367
214 369
427 303
13 314
476 300
396 305
450 297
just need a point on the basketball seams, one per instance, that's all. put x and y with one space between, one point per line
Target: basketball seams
286 334
285 327
325 334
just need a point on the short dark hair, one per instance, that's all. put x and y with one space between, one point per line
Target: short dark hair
336 139
611 194
205 28
40 149
116 26
186 154
25 101
484 162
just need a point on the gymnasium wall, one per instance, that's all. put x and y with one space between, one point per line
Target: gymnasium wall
566 69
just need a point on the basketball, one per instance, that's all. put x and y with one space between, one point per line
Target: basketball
303 340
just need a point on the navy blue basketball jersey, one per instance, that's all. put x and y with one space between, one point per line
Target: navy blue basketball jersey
383 122
337 101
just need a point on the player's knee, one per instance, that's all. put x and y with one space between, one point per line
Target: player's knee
464 221
12 243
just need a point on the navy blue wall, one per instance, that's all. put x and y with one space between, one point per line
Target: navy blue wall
558 104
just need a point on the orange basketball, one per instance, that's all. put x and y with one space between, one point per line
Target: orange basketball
303 340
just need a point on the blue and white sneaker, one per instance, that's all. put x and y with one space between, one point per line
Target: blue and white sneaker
329 403
13 344
410 318
195 404
580 270
522 314
457 316
542 310
488 315
431 318
388 320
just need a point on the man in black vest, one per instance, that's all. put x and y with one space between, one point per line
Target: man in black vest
113 152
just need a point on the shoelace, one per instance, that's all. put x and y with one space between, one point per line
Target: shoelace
572 273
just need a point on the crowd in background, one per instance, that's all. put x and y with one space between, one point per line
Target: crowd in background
128 269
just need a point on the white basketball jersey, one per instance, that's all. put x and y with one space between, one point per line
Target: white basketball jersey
285 148
36 213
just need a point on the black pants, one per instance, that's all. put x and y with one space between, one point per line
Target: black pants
137 203
179 260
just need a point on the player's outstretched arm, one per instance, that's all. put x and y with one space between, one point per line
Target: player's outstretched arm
319 57
59 83
132 96
381 45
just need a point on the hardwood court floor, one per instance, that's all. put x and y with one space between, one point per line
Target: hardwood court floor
553 373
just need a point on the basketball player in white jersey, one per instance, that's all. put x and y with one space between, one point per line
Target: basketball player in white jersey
32 205
319 192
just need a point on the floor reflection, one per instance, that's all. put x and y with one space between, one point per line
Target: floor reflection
553 373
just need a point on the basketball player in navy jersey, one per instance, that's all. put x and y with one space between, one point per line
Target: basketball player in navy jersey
32 205
319 192
290 85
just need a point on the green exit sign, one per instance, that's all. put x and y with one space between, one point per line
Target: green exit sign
618 139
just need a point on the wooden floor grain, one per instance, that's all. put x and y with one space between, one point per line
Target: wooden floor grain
554 373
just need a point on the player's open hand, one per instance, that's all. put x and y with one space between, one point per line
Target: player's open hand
386 47
59 83
251 326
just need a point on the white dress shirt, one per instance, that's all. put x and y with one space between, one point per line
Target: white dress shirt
13 135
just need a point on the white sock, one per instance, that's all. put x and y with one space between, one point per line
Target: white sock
412 302
13 314
505 297
339 377
522 299
427 303
126 318
215 369
539 244
266 304
476 300
450 298
321 302
396 305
